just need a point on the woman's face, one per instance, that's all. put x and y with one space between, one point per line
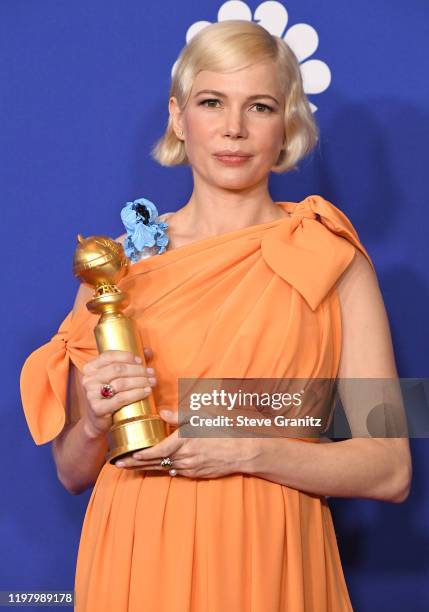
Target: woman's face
239 116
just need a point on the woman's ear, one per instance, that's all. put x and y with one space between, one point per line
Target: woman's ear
176 116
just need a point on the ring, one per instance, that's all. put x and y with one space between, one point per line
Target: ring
166 463
107 391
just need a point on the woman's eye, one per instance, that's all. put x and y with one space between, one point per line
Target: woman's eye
265 107
209 100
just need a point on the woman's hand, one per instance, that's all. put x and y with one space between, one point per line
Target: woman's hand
194 457
131 381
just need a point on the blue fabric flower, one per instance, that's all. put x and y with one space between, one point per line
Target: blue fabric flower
145 234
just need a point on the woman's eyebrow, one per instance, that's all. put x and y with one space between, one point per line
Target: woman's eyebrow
219 93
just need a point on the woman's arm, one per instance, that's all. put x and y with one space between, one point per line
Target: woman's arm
79 455
376 468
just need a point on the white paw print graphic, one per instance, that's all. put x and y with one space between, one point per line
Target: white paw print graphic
301 38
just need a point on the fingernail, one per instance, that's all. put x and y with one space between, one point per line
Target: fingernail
166 413
152 380
119 464
138 359
150 370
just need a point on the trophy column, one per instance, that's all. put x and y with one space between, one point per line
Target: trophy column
101 263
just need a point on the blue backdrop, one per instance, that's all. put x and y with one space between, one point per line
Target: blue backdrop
84 91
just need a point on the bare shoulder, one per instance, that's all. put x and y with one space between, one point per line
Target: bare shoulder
83 296
358 289
364 322
121 238
359 279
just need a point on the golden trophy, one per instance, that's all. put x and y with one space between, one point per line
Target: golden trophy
101 263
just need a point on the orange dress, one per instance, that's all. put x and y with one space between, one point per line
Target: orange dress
255 302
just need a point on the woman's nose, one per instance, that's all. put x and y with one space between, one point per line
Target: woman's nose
234 124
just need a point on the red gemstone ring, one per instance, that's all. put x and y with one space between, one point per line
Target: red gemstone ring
107 391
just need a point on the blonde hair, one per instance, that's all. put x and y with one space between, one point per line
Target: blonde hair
227 46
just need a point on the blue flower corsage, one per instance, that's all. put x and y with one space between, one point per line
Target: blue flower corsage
146 235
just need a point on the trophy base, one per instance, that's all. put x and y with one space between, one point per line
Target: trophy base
129 436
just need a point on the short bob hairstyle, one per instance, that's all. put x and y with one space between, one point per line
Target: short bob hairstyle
226 46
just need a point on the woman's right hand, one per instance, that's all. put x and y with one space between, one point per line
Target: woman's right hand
131 381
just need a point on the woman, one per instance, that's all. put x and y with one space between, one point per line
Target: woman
246 287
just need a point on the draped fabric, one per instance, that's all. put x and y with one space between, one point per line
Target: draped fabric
255 302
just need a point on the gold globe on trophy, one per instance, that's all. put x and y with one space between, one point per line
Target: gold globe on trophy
101 263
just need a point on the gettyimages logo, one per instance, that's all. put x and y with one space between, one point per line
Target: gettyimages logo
302 38
338 408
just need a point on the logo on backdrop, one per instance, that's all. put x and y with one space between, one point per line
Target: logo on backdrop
302 38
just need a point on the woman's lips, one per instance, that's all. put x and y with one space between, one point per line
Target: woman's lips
233 160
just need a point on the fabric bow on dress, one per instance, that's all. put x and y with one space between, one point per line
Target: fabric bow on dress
44 377
307 256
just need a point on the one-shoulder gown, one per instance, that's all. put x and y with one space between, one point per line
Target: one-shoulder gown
255 302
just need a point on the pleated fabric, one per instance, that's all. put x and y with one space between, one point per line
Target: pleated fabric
255 302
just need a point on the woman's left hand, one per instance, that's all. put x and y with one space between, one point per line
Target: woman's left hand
194 457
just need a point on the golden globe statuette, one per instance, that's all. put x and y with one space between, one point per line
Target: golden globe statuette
101 263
